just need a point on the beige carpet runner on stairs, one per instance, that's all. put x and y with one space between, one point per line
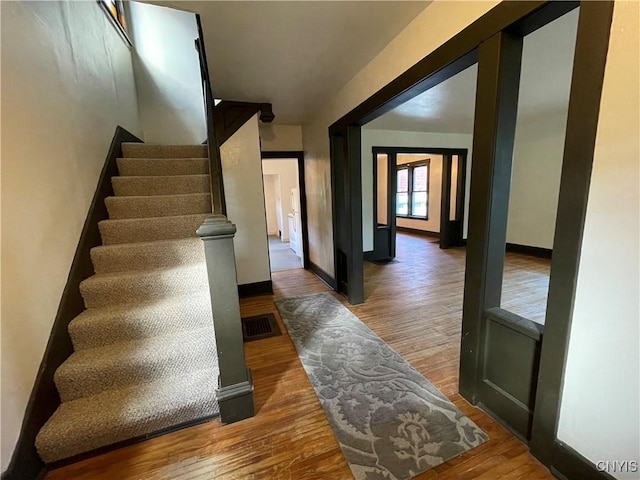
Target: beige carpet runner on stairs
144 349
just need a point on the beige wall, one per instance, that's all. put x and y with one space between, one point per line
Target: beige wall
167 72
599 415
242 173
67 82
270 204
436 24
282 138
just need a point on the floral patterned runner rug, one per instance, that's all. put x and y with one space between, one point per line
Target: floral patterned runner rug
390 421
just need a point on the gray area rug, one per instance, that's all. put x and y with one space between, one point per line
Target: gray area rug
390 421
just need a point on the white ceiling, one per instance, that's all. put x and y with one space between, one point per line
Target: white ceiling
547 60
293 54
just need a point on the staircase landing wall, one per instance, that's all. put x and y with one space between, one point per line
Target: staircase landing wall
67 82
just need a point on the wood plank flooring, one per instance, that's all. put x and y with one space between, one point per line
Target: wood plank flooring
415 305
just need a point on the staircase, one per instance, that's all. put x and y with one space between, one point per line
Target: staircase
144 356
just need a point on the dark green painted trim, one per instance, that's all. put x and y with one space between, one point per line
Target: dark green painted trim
299 155
384 242
355 261
322 275
502 422
493 140
346 205
570 465
522 325
236 400
230 116
218 199
255 289
592 44
25 462
420 150
528 250
510 361
454 56
426 233
341 227
445 201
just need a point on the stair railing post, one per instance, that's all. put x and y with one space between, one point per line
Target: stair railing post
235 394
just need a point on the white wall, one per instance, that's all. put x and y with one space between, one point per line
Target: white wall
242 173
269 182
287 171
436 24
167 73
394 138
280 138
432 223
67 82
599 413
535 180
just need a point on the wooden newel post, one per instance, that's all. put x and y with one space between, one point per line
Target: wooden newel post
235 394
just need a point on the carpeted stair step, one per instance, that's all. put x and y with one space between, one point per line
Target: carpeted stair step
141 167
158 206
97 327
160 185
92 371
149 229
147 255
116 415
147 286
150 150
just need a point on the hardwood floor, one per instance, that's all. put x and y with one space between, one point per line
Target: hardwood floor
415 305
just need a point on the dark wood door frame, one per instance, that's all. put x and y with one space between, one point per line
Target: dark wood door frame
450 236
299 157
499 31
445 200
451 58
391 202
592 45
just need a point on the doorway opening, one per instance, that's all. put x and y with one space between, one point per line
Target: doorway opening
505 367
285 210
421 191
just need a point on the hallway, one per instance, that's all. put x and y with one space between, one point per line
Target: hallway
281 256
415 305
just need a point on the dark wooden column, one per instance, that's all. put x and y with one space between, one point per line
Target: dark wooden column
592 45
355 258
445 201
235 393
346 188
493 139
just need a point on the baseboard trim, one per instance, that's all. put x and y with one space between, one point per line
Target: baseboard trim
368 256
255 289
417 231
322 275
528 250
26 463
236 401
567 464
